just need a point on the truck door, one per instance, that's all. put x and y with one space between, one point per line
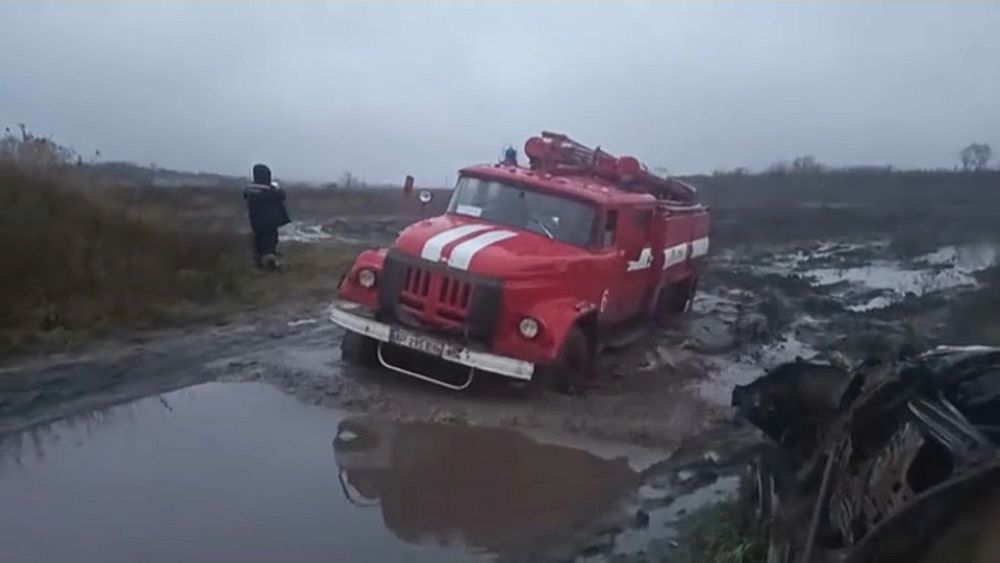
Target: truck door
677 232
635 249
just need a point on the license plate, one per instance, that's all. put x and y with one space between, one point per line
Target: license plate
415 341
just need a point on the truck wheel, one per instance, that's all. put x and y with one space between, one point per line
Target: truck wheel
666 304
572 369
685 294
359 350
674 299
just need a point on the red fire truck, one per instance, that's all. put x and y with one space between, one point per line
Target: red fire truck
530 273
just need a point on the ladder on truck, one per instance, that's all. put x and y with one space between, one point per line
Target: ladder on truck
556 153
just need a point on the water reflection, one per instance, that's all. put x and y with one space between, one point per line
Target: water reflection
244 473
31 444
485 488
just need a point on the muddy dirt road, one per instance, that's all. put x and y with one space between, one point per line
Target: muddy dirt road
299 353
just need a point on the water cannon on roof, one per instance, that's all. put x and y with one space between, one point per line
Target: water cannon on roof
555 153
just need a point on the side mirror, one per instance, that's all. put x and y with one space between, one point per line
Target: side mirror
425 196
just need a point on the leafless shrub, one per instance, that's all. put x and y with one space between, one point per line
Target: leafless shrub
76 256
28 150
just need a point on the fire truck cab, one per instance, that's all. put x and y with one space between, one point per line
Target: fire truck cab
530 272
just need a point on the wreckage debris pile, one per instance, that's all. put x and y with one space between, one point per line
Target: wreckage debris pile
876 459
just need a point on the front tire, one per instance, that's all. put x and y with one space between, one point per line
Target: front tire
573 368
359 350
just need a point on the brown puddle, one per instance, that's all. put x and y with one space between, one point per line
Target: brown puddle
489 488
241 472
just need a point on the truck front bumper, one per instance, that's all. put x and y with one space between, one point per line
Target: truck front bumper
352 317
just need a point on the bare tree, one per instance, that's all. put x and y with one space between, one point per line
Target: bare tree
805 163
349 180
780 167
33 150
975 156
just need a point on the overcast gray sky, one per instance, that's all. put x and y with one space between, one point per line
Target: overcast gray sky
384 90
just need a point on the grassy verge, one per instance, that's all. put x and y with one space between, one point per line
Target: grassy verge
725 533
73 261
81 259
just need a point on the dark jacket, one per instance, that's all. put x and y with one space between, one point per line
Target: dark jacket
265 206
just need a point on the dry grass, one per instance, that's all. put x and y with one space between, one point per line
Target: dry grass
916 211
86 254
724 533
222 205
84 259
76 258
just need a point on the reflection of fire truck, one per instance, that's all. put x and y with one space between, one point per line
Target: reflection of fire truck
441 484
530 272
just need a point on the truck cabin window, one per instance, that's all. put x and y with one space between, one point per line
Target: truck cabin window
610 228
557 218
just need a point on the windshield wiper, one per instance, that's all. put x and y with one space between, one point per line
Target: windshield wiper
538 222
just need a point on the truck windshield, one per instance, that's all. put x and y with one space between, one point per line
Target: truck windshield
558 218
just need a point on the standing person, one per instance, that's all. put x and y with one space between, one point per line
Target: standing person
509 157
266 211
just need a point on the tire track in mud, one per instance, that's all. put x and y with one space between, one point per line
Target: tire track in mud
43 390
299 353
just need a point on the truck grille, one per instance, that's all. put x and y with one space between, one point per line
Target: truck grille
433 293
425 295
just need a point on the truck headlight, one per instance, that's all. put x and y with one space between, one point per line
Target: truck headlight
366 278
528 327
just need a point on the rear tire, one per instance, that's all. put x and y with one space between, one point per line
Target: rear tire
692 289
674 299
359 350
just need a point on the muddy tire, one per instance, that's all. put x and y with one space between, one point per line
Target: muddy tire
690 288
572 371
359 350
674 299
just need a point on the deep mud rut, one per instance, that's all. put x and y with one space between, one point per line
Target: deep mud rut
668 394
299 353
